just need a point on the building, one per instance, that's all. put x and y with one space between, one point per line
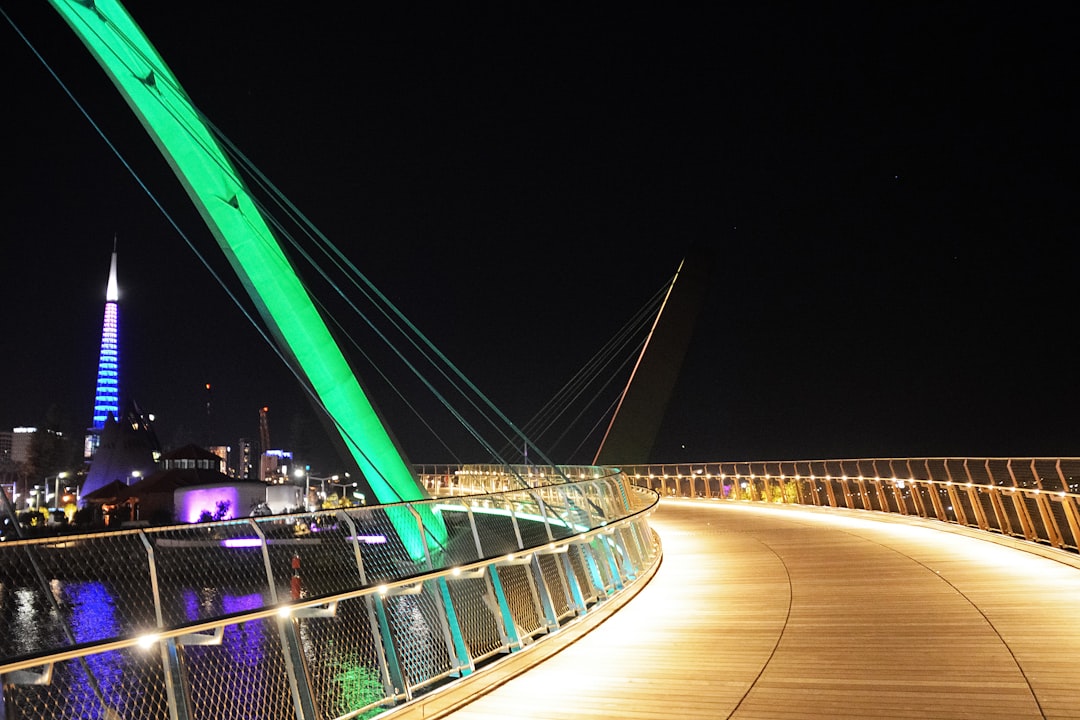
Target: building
274 465
223 452
107 393
245 452
128 450
15 445
191 485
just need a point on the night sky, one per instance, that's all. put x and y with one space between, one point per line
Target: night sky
890 197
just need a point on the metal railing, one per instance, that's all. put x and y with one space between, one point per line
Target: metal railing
1033 499
320 615
484 478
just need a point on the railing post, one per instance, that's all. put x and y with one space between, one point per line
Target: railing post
543 594
393 665
299 686
998 503
511 637
830 491
1026 523
571 588
935 494
507 626
589 558
455 642
537 587
389 667
179 704
1068 504
973 498
462 659
1053 535
631 552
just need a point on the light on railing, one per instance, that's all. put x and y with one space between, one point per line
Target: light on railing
147 641
456 571
284 611
381 589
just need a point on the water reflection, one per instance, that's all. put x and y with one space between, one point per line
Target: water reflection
246 674
91 613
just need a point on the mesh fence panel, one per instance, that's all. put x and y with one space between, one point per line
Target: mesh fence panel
385 556
122 683
556 584
495 528
520 596
243 677
102 584
416 623
1047 474
1070 468
198 566
343 659
319 549
477 614
460 548
1057 512
531 519
579 564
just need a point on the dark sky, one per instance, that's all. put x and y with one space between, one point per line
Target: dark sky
890 196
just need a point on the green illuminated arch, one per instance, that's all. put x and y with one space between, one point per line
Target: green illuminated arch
156 97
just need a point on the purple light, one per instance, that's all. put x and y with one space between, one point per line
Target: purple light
241 542
196 501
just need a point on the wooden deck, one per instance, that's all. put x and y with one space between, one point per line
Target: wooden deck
777 612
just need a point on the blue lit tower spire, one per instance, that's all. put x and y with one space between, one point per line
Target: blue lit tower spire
107 394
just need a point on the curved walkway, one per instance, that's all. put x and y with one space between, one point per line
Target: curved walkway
779 612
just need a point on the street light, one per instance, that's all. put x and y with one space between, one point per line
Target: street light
300 473
56 495
345 485
322 485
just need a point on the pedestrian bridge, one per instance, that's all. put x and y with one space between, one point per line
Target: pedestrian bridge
558 604
774 611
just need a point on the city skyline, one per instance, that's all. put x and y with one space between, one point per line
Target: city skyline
886 194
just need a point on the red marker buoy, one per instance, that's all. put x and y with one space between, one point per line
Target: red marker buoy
297 588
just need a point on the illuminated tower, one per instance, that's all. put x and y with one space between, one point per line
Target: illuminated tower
107 394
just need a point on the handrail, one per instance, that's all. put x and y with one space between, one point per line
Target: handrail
1036 499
